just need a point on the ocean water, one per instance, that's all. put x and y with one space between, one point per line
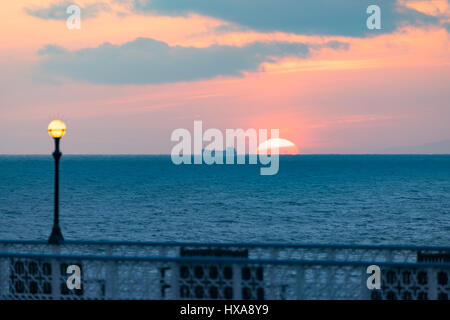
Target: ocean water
313 199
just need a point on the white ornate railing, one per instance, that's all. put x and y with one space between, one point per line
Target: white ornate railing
126 270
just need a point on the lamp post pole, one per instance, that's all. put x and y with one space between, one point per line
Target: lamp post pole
56 130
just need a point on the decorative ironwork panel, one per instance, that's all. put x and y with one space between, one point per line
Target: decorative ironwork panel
35 270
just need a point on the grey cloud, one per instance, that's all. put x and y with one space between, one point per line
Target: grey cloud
51 49
322 17
146 61
338 45
57 11
447 26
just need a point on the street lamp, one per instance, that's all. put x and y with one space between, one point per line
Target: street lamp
56 129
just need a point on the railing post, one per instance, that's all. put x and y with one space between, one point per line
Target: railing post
175 281
111 276
432 283
56 279
111 280
147 291
237 288
300 282
331 275
4 287
56 274
365 292
272 275
3 278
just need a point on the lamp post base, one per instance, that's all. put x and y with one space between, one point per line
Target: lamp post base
56 237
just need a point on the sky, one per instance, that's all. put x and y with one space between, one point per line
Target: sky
139 69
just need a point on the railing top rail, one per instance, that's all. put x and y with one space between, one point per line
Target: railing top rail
233 244
443 265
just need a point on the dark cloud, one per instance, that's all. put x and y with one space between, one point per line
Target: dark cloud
310 17
321 17
57 11
145 61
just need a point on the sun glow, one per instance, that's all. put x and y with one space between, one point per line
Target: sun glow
278 145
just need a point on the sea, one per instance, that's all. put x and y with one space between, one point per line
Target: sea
328 199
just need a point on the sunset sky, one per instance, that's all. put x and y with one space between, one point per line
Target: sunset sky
137 70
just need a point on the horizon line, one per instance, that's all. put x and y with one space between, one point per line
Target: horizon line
168 154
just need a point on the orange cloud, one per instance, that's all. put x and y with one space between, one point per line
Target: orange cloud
430 7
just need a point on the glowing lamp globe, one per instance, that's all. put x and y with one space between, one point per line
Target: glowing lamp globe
56 129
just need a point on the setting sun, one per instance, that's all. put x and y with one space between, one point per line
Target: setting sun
278 145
